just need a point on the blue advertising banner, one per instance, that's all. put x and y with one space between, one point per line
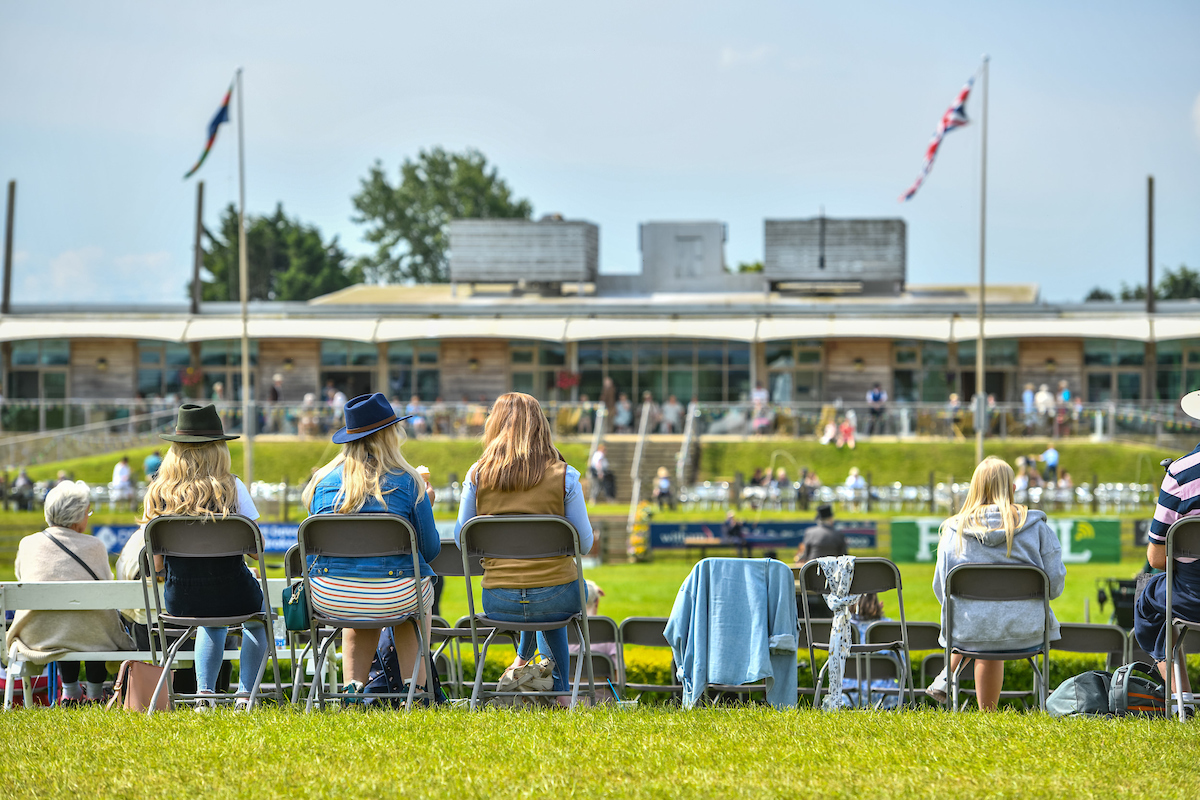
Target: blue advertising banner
277 536
860 534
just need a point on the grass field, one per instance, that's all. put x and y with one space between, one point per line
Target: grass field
647 753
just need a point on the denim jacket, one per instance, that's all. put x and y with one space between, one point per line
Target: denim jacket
404 498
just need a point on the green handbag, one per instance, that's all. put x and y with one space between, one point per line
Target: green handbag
295 608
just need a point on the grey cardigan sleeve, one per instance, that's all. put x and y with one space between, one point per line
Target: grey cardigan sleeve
1052 563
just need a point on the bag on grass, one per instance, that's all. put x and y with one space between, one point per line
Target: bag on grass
533 677
1134 695
385 676
1081 695
135 686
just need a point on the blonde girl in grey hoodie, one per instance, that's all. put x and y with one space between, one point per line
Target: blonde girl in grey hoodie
992 529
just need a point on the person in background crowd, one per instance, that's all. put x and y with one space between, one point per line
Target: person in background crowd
151 464
586 416
1044 402
1064 393
672 415
521 472
1021 478
195 481
275 393
328 392
654 413
600 479
122 483
992 529
371 476
781 481
623 420
820 540
876 401
65 552
759 396
416 413
732 530
1028 405
663 494
1178 497
759 478
847 431
61 477
338 405
608 399
1050 458
1066 482
218 392
855 480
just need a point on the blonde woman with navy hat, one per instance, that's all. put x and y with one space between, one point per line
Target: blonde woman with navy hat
371 476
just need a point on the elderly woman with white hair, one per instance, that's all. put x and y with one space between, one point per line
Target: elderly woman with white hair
63 552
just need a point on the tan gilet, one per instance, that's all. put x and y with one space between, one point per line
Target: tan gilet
546 497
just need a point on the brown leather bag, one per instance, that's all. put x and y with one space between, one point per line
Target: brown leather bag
135 686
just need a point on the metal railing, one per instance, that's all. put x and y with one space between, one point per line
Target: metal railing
635 470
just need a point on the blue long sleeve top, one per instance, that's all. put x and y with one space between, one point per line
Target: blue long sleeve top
573 504
404 498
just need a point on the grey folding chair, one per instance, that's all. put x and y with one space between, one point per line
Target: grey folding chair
524 536
1109 640
820 629
293 569
646 632
1183 541
602 630
205 537
997 583
871 575
921 636
362 536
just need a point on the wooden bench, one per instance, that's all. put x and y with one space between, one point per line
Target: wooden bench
84 596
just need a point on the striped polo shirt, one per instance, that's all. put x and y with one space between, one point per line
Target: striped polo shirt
1179 496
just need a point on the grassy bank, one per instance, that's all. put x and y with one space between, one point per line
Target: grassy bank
648 753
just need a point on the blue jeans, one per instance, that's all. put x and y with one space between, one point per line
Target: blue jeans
548 604
210 647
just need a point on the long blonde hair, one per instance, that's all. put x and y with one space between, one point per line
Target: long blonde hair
364 462
991 485
194 480
517 446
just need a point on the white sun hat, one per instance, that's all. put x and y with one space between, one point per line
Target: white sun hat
1191 404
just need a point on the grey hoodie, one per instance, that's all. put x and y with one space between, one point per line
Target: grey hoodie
1007 625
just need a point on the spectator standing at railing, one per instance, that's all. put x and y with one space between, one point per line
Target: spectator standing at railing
672 415
416 412
608 399
623 421
600 478
1044 401
151 464
654 414
1050 458
876 402
1028 405
22 491
586 421
122 483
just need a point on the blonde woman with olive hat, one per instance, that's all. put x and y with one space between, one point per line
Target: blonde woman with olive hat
371 476
195 480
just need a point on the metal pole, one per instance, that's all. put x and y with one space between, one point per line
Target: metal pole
6 302
198 260
1149 244
244 295
980 396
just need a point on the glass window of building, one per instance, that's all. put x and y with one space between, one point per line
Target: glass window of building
1113 369
794 370
161 368
1178 369
413 369
712 370
38 370
348 367
1000 377
221 363
534 368
922 372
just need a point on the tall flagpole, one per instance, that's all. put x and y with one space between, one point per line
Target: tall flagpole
981 417
244 293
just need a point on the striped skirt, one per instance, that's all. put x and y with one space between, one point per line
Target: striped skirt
368 598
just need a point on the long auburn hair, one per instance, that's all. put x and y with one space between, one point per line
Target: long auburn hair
991 485
364 463
517 446
194 480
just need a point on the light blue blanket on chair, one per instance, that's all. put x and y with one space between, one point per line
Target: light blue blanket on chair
734 622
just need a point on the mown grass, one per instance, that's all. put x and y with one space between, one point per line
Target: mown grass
648 753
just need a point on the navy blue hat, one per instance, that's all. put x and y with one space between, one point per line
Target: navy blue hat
365 415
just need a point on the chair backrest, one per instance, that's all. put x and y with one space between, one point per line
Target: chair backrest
998 582
293 563
1084 638
519 536
870 575
1183 538
449 562
921 635
600 629
356 535
644 631
201 537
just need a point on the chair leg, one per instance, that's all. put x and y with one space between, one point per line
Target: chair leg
164 680
478 687
9 680
317 692
298 671
412 676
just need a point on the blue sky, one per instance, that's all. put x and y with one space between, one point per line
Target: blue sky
617 113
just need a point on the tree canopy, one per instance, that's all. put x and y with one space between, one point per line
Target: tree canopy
1178 284
408 222
287 259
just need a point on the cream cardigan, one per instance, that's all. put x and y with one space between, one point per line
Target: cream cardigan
42 636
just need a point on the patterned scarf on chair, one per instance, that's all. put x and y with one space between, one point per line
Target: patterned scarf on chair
839 574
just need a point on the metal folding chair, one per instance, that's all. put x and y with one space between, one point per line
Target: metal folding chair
205 537
921 636
646 632
1183 541
871 575
1110 640
602 630
998 583
362 536
524 536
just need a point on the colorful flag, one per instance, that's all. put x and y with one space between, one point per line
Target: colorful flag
222 115
955 117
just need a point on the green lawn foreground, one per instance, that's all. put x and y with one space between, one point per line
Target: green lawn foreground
647 753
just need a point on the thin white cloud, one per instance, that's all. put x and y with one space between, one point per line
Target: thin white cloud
88 274
731 57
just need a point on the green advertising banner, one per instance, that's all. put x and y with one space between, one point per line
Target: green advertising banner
1083 540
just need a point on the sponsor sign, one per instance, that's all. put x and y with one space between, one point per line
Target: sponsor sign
860 534
1083 540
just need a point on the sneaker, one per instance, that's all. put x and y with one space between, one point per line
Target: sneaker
937 689
203 704
241 704
353 687
73 702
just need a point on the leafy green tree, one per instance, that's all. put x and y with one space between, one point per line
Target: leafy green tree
1180 284
287 259
750 266
408 222
1099 295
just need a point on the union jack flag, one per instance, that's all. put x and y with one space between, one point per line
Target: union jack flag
955 117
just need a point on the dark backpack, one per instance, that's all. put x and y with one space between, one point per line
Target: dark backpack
385 676
1099 693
